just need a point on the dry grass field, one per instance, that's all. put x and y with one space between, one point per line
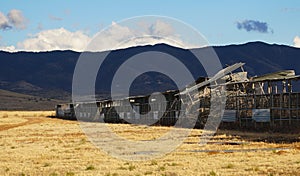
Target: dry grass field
33 144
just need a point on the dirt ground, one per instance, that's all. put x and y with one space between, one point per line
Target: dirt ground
33 144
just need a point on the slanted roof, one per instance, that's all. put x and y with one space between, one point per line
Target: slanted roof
216 77
276 76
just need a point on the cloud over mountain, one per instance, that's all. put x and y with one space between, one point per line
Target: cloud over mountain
254 25
55 39
121 36
297 41
116 36
10 48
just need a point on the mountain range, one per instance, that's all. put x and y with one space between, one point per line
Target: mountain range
49 74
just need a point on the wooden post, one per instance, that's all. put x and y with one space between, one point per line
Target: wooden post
290 86
269 88
290 117
283 86
280 108
271 110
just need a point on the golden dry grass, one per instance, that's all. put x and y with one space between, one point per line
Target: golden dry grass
33 144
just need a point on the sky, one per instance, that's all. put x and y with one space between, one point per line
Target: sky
58 25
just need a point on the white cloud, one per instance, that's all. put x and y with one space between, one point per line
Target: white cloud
115 37
4 23
55 39
8 48
297 41
17 19
118 36
161 28
111 38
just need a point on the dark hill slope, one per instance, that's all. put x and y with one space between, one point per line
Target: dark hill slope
49 74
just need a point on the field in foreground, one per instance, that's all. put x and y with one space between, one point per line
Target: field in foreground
33 144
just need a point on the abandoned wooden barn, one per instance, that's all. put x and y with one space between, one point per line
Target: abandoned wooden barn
271 100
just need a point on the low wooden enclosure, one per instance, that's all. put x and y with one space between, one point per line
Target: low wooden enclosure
268 101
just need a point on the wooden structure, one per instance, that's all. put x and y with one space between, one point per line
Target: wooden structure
267 101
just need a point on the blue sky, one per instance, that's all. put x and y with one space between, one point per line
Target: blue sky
222 22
